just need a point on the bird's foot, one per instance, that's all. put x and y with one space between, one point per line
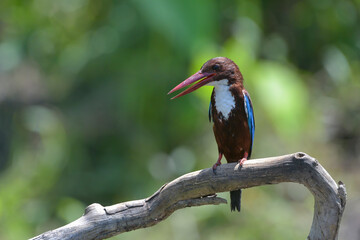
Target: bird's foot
215 166
241 162
218 163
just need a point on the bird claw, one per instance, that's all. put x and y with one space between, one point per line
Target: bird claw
214 167
241 162
218 163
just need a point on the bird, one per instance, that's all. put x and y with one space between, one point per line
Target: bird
230 111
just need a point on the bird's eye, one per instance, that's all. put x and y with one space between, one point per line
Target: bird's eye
216 67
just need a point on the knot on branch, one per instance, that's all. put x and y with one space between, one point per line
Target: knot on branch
300 155
303 157
342 194
94 209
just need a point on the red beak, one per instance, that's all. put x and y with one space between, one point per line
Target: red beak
206 78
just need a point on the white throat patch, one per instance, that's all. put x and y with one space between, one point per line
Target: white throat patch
224 100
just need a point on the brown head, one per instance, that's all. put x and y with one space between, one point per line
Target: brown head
215 69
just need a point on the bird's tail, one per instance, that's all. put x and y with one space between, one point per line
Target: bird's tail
235 199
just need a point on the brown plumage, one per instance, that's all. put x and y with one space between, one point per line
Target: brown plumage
232 135
232 115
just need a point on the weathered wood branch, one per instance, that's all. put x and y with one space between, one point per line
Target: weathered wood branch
199 188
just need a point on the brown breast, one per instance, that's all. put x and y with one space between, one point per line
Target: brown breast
232 133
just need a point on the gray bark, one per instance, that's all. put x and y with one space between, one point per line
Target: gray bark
199 188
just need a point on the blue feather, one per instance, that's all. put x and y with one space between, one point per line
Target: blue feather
250 117
210 111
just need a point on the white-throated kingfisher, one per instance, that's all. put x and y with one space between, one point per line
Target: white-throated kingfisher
230 110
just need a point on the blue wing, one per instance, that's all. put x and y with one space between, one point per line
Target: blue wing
250 117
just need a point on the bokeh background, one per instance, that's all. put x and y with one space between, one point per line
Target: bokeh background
85 116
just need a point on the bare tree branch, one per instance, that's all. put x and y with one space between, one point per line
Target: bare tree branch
100 222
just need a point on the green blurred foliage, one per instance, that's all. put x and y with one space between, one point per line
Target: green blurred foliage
84 115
